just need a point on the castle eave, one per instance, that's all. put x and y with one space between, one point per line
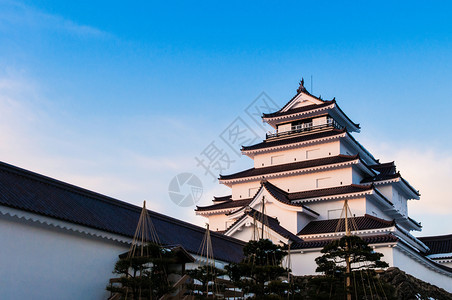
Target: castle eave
344 192
291 169
293 141
311 110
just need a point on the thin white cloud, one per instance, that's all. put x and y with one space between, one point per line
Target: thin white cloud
16 118
431 172
17 14
32 137
153 163
426 168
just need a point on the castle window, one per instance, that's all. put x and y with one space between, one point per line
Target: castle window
313 153
323 182
334 213
277 159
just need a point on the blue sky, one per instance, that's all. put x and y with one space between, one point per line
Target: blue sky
120 98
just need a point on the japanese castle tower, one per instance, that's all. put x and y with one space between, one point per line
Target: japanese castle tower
303 173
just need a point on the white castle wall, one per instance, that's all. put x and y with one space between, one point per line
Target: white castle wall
386 190
420 271
346 149
400 201
294 155
397 197
303 263
246 233
287 218
219 222
374 210
332 209
357 176
311 151
297 183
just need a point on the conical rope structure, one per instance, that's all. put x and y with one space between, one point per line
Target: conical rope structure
350 225
263 232
145 234
206 251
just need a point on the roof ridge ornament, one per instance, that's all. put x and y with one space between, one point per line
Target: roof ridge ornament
301 87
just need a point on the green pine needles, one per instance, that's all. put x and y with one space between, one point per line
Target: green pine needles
143 276
260 272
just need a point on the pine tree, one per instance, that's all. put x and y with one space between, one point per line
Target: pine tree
361 274
260 271
207 275
144 276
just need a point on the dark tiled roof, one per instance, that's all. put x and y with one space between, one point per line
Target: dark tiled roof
374 239
297 110
272 223
387 171
300 89
222 198
340 190
283 196
28 191
297 139
289 198
342 112
415 222
380 177
438 244
362 147
291 166
307 108
225 205
385 168
363 223
276 192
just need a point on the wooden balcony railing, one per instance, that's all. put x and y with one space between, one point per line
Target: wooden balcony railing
304 128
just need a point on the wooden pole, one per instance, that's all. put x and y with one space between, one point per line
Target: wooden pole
209 250
207 256
263 218
142 221
347 256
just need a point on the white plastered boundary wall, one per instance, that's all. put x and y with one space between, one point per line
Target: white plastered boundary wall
303 263
45 258
41 261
